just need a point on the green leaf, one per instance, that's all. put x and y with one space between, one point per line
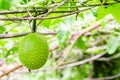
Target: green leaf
112 45
115 11
11 51
56 21
95 50
46 23
102 12
3 42
81 43
5 4
81 15
2 29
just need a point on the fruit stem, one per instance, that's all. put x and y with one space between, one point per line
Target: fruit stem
34 21
34 26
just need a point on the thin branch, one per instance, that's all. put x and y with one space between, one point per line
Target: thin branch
108 78
11 70
38 17
90 5
109 58
3 36
44 18
83 61
54 47
43 9
30 15
74 12
50 11
93 58
24 11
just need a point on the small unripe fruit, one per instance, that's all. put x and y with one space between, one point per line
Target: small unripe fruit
33 51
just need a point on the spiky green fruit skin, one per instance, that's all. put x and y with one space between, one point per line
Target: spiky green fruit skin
33 51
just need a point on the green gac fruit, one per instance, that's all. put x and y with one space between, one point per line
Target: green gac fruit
33 51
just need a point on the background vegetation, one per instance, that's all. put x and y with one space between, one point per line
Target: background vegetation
83 37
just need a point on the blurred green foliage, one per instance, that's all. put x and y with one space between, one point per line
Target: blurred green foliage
105 38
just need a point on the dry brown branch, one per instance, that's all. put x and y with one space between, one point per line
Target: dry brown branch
30 15
13 69
67 50
93 58
83 61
